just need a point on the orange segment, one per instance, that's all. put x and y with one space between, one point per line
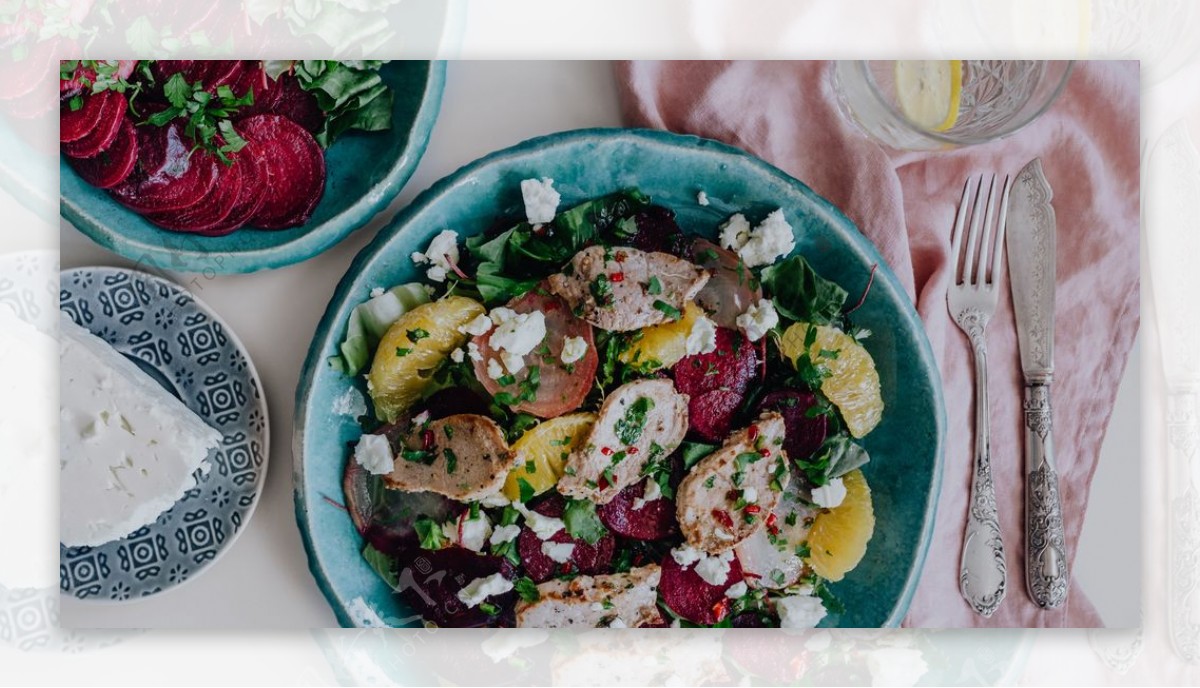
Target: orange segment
543 450
852 384
839 536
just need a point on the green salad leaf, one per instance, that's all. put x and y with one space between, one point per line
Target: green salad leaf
351 94
383 565
801 294
582 521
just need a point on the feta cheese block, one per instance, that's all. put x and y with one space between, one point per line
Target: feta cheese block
128 447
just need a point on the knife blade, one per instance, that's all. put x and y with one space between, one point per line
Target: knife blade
1030 240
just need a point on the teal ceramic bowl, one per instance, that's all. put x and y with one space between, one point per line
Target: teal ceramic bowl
906 448
364 172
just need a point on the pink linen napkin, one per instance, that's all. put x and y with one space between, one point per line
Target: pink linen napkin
786 113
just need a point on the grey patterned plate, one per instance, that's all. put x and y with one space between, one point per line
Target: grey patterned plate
181 343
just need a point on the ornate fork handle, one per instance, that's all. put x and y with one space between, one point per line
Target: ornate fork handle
1045 544
983 574
1183 543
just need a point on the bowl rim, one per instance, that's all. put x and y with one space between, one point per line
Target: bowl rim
308 245
261 481
448 185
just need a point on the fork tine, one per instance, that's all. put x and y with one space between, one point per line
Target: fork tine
985 244
1001 226
959 220
971 261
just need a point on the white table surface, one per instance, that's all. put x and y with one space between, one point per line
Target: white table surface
263 580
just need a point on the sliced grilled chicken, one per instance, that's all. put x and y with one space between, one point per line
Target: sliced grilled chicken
769 555
615 600
638 422
622 289
464 457
727 496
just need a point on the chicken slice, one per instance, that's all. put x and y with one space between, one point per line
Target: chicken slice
622 289
615 600
464 457
638 422
727 495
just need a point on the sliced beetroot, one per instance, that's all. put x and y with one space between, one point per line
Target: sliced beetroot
96 141
168 176
710 415
585 558
690 596
211 210
657 230
731 288
252 77
294 167
249 198
561 387
385 517
296 104
431 580
72 86
654 521
803 434
112 166
730 366
209 73
76 124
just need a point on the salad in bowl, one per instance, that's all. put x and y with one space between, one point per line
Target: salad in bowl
589 418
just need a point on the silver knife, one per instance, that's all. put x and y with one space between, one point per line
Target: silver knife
1030 242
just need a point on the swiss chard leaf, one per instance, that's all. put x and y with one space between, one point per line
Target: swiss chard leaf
801 294
351 94
693 452
582 521
383 565
844 456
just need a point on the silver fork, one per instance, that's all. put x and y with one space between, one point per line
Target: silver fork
972 300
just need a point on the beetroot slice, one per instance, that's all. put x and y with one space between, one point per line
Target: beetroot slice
295 170
75 124
167 176
250 194
803 435
431 580
296 104
710 415
585 558
654 521
730 366
657 230
97 140
212 208
111 167
690 596
386 518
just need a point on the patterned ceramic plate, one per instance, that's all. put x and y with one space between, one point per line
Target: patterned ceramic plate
181 343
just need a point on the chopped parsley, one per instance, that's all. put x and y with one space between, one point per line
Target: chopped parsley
667 309
527 589
417 334
654 287
430 533
629 427
402 351
602 290
451 460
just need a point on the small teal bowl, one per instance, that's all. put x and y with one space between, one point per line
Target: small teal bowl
364 172
906 448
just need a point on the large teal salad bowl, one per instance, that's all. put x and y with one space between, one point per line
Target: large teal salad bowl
364 172
906 448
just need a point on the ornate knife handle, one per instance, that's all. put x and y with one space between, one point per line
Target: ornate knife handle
983 574
1045 544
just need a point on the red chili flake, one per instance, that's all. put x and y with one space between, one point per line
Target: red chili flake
602 483
565 568
753 508
617 277
765 451
770 520
752 432
721 608
427 439
723 517
631 450
607 451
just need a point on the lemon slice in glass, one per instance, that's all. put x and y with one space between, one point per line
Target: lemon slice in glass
929 92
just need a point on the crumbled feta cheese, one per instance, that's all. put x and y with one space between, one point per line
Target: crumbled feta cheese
494 369
475 532
495 499
457 355
723 534
503 534
520 333
420 419
541 200
702 198
737 590
376 292
500 314
714 569
473 351
441 255
686 556
573 349
558 551
735 232
650 492
481 588
758 320
479 326
831 495
703 337
799 611
374 453
771 239
676 624
618 622
750 494
542 526
513 363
